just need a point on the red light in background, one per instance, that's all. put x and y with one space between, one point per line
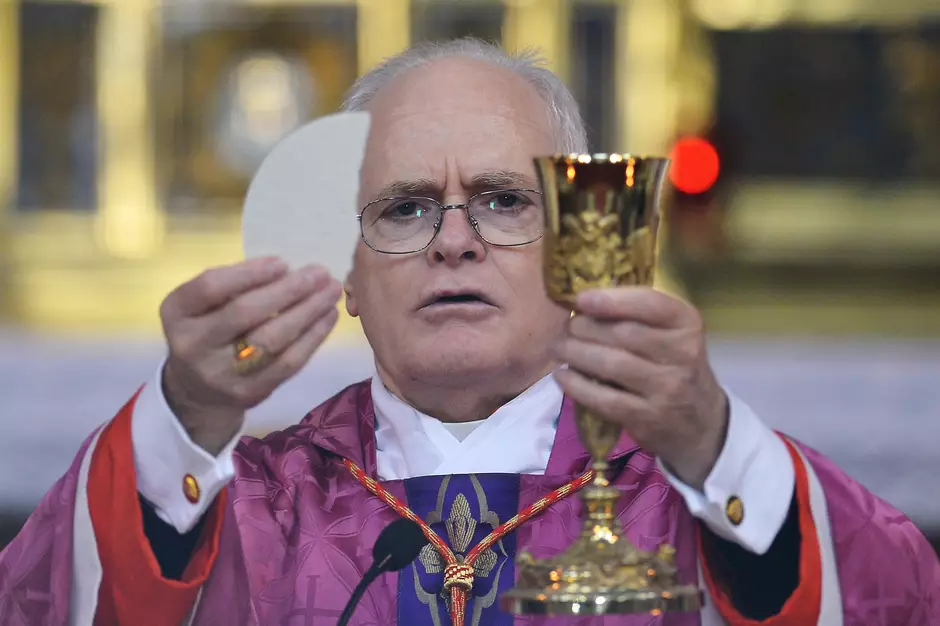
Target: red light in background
695 165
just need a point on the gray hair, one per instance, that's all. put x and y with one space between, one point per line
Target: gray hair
562 107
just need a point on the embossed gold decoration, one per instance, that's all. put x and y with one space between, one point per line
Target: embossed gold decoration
602 217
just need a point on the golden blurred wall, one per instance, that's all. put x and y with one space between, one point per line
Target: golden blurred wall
162 208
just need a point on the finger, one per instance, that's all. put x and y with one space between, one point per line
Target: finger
251 389
657 345
277 334
298 354
601 399
252 309
609 365
639 304
215 287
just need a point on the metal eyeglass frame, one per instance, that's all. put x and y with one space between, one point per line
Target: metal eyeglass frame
448 207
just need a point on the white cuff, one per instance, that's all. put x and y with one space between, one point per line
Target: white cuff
755 467
164 456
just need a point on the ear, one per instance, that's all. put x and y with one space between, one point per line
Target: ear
352 306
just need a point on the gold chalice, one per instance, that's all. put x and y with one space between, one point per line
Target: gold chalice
602 216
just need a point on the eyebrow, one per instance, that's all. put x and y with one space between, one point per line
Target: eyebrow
500 179
497 179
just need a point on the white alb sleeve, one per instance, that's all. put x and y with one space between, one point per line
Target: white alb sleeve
164 456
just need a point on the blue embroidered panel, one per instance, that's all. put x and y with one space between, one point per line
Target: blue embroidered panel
462 510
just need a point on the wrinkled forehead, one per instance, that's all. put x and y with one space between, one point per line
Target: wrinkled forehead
454 118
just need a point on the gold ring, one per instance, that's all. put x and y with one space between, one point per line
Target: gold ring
249 358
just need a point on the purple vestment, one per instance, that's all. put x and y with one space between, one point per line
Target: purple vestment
299 528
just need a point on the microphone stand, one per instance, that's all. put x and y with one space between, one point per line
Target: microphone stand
367 579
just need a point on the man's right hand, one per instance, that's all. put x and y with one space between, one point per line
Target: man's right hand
288 314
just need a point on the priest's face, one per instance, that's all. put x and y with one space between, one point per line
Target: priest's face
447 131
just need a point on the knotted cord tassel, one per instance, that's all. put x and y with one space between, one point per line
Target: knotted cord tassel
459 574
458 580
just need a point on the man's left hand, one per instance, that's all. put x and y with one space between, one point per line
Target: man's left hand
637 357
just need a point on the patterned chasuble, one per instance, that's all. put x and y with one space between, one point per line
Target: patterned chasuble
462 510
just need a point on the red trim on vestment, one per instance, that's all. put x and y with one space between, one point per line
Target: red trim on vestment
132 589
803 606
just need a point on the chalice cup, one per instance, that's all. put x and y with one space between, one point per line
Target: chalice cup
602 215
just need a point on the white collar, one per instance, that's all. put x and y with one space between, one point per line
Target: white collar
516 439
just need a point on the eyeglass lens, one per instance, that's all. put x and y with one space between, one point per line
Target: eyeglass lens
503 218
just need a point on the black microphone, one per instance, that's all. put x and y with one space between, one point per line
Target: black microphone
398 545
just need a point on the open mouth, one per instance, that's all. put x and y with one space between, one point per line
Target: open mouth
461 298
446 298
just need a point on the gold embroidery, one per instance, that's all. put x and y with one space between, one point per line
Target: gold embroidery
460 526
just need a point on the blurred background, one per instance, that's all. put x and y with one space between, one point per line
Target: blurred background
805 222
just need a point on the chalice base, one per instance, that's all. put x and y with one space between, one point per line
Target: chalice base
601 573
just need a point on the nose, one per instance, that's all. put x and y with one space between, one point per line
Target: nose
456 241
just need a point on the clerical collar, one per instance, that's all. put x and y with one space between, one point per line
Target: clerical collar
516 439
461 430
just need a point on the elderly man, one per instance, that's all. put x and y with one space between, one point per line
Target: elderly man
168 517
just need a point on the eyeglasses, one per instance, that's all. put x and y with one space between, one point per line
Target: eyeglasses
504 217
